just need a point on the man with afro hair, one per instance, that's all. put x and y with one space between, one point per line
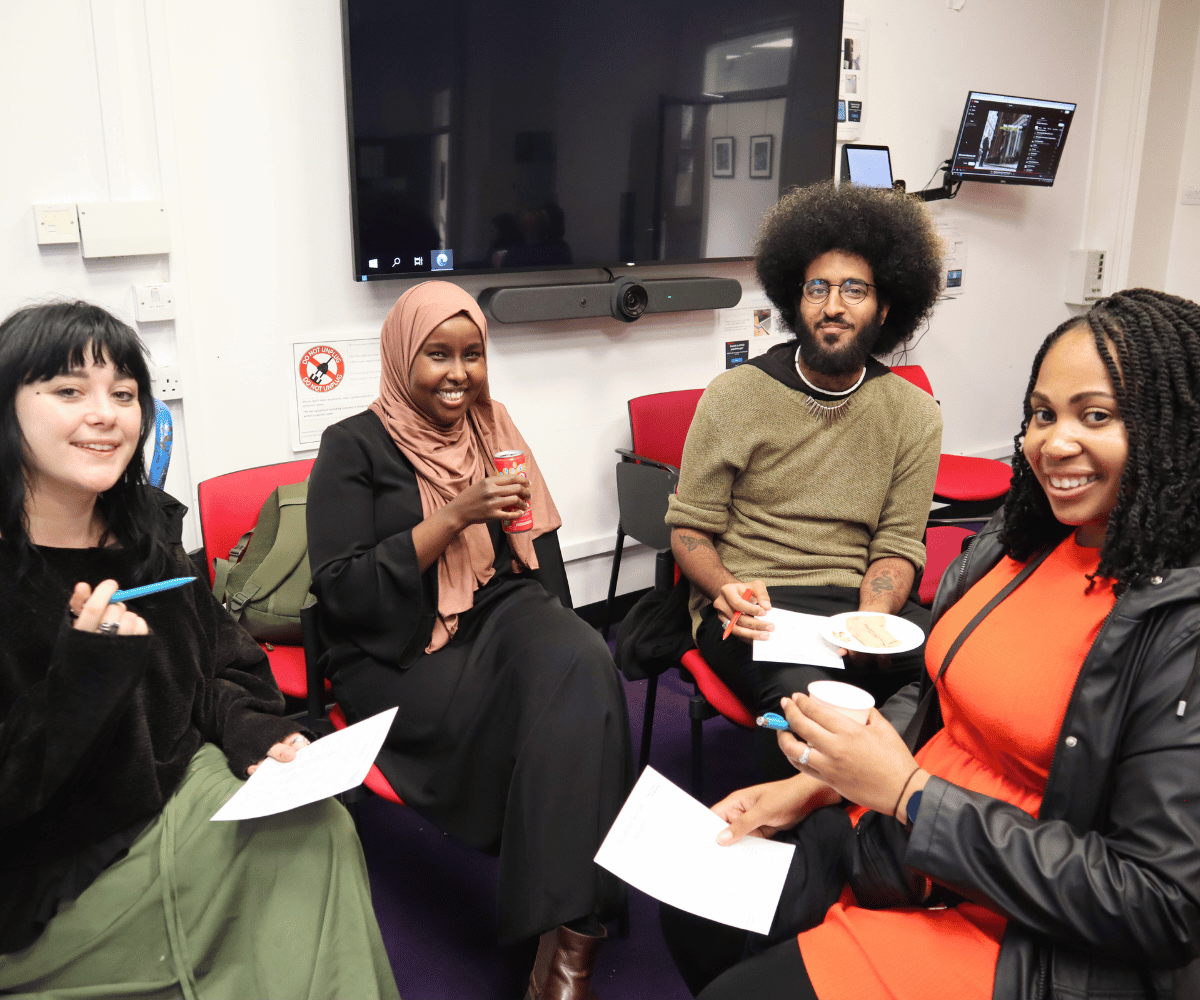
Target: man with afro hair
808 472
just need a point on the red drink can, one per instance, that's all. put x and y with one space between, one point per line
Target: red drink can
512 463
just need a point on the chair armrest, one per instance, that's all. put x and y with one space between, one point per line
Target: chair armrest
633 456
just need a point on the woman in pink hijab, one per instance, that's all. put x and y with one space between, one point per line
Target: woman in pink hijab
512 731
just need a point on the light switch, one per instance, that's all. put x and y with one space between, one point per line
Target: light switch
154 302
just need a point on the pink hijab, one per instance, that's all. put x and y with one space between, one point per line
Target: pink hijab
449 459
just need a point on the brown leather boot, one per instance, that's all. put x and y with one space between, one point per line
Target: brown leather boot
564 964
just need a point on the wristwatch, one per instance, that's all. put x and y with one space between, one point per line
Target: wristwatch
914 803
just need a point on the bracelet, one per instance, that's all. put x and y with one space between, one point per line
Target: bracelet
903 789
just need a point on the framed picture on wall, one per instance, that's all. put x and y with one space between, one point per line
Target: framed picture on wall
762 154
722 156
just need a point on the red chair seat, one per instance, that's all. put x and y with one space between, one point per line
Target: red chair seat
287 664
374 780
715 690
964 477
943 543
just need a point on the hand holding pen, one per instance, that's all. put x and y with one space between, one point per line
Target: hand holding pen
740 605
103 610
94 611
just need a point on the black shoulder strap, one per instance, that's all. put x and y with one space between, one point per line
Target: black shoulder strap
913 731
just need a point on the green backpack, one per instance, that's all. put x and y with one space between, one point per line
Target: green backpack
266 578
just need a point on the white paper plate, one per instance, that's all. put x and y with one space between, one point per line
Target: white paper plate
910 635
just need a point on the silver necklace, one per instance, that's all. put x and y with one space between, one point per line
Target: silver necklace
821 411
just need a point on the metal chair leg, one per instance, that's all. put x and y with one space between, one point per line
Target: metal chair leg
612 581
648 721
698 710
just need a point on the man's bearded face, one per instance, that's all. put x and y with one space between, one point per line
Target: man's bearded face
827 350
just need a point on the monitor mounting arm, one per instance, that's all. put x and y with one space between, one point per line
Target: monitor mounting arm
948 188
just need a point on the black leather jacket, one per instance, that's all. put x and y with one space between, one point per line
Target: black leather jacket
1102 889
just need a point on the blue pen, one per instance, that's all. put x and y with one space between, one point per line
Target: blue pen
772 720
150 588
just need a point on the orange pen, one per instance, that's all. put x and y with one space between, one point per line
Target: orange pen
747 595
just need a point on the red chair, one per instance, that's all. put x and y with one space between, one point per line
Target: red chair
971 488
229 507
943 543
319 719
647 475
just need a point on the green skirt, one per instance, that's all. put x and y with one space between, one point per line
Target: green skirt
276 908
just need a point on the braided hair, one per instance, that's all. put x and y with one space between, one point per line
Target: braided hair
1150 344
893 233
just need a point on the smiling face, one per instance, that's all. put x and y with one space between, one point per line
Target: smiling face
449 371
1076 441
836 337
80 430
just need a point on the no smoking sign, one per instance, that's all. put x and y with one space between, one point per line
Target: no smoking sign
321 369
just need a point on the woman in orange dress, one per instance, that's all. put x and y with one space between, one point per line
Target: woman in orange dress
1050 816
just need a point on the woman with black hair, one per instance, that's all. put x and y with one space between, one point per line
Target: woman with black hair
123 730
1049 821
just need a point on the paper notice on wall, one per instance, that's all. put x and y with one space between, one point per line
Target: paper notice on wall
750 328
954 250
331 380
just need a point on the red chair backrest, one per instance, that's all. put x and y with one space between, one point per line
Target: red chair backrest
229 504
658 423
914 374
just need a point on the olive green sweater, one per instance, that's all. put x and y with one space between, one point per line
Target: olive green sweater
791 499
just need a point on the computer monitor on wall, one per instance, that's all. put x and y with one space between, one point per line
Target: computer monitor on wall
1010 140
869 166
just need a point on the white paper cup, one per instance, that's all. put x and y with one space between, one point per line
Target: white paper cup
853 702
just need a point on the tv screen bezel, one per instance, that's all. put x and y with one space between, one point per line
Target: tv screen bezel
585 266
956 175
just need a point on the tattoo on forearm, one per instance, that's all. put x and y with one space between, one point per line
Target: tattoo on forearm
692 543
881 583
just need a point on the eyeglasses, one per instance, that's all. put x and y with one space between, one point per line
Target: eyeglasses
851 290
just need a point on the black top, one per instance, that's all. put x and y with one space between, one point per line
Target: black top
363 502
96 731
780 363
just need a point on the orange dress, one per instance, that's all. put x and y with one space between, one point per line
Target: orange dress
1003 700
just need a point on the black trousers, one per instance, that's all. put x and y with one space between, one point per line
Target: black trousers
719 962
760 684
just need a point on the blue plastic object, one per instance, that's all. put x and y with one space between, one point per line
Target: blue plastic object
164 433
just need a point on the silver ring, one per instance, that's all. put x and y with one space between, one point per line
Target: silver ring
299 740
108 628
803 762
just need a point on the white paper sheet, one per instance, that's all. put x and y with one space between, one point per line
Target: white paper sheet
797 639
331 765
664 842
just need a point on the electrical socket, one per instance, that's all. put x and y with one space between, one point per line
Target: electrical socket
167 381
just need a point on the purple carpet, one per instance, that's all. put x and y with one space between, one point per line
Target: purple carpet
435 897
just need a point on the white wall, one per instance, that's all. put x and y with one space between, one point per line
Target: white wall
234 114
1183 264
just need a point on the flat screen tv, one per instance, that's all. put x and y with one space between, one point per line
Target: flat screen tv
491 136
1010 140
